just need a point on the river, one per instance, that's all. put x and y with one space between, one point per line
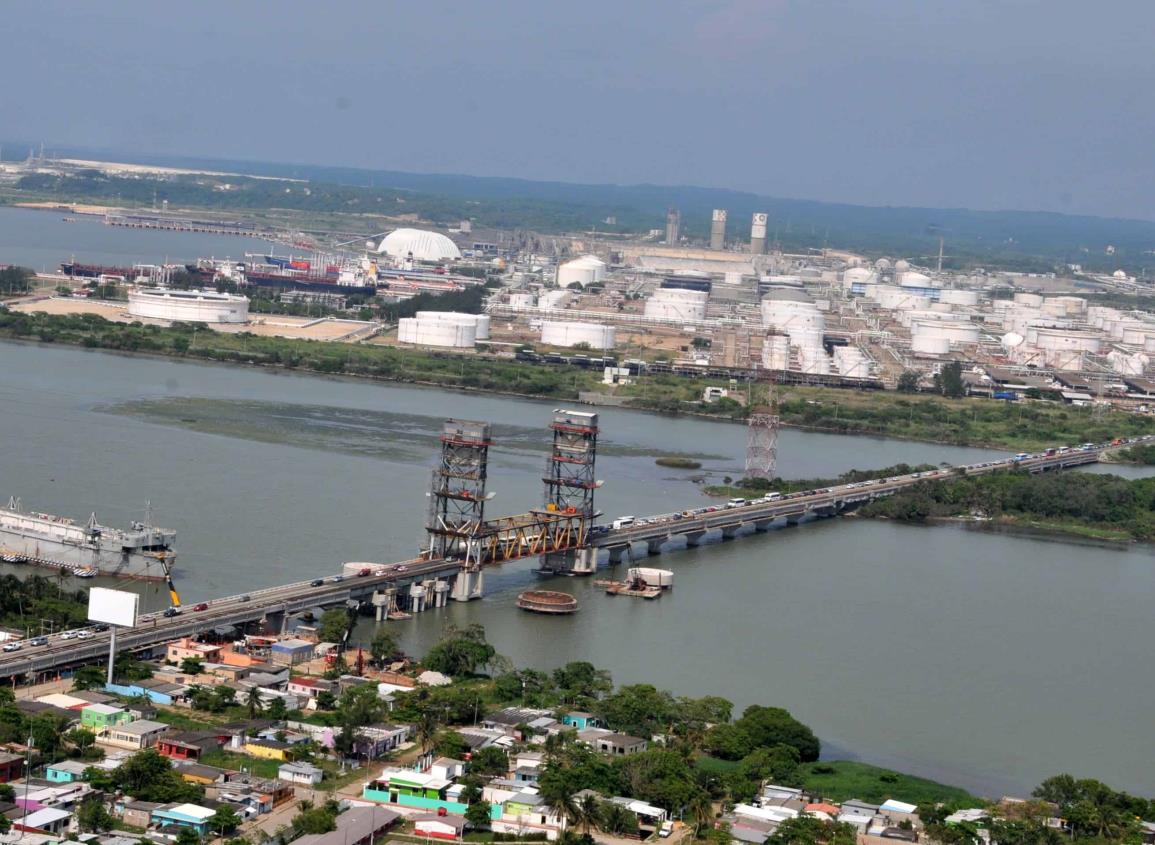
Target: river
986 659
41 240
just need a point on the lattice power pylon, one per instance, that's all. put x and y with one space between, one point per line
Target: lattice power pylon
457 490
762 442
569 477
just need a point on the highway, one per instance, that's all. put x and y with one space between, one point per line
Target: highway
64 649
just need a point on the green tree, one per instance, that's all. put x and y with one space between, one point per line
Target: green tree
93 817
88 677
82 739
589 813
461 651
807 830
639 709
949 382
334 623
253 701
383 646
224 820
769 726
311 819
187 836
559 799
477 814
908 381
192 666
490 760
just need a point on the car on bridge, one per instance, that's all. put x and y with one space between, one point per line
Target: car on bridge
202 606
12 646
38 641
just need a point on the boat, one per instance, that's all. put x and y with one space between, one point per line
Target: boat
550 602
84 572
142 551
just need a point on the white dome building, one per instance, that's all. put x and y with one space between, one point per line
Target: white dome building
418 244
587 270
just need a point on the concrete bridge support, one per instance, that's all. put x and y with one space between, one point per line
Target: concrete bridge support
585 561
694 539
729 532
440 593
417 598
617 552
468 585
654 547
763 525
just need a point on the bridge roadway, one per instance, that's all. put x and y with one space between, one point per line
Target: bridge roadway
155 629
656 531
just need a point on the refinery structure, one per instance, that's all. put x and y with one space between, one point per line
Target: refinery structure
726 303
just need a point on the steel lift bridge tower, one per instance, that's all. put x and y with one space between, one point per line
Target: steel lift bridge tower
569 490
457 500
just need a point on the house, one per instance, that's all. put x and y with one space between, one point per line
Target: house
266 749
749 830
444 767
439 827
303 773
202 774
290 652
376 741
186 648
648 815
616 744
135 735
64 701
156 691
509 720
66 771
408 788
355 826
11 766
773 794
49 820
259 794
138 813
192 816
527 775
526 812
308 688
581 720
189 745
98 718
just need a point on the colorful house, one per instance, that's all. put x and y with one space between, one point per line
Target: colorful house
412 789
98 718
191 816
267 749
439 827
66 771
581 720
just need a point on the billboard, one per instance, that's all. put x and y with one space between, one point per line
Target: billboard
116 607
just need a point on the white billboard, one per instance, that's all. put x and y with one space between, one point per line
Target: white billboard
116 607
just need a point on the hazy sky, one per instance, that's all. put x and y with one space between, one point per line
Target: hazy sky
1035 104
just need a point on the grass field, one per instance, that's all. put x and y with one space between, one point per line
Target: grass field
840 780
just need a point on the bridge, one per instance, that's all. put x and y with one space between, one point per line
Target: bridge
561 535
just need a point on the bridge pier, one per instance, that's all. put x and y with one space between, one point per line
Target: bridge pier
417 598
729 532
793 519
616 553
585 561
654 547
694 539
467 585
440 593
763 525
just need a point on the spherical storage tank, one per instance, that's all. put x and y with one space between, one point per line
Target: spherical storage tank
555 333
587 270
420 244
188 306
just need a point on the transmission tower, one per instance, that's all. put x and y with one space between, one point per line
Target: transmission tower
762 437
457 491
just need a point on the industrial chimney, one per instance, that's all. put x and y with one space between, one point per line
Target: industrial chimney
673 227
718 229
758 233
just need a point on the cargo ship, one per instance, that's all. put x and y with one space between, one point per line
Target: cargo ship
140 552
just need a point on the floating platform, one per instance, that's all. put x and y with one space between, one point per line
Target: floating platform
627 588
547 601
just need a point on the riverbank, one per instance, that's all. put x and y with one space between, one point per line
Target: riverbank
1024 425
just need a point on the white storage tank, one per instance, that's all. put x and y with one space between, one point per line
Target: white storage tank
446 333
788 310
1064 339
955 332
585 271
929 344
676 304
1032 300
954 296
188 306
556 333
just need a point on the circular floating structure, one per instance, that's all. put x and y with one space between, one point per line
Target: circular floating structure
547 601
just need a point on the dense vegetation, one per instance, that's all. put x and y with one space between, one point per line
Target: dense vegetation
1099 505
753 487
1140 454
25 604
15 280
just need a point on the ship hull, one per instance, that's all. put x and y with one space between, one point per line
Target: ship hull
58 554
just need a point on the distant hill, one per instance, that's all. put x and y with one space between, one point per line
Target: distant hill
1011 238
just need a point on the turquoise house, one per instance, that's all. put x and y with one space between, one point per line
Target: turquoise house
66 771
581 721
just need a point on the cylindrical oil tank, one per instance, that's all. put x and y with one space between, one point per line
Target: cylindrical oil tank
1032 300
955 332
1065 339
955 296
587 270
928 344
554 333
447 333
676 304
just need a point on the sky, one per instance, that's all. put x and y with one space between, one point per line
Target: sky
986 104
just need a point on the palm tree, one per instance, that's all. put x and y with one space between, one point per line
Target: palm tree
426 730
589 812
701 811
253 701
560 801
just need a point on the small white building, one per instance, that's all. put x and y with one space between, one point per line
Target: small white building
303 773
